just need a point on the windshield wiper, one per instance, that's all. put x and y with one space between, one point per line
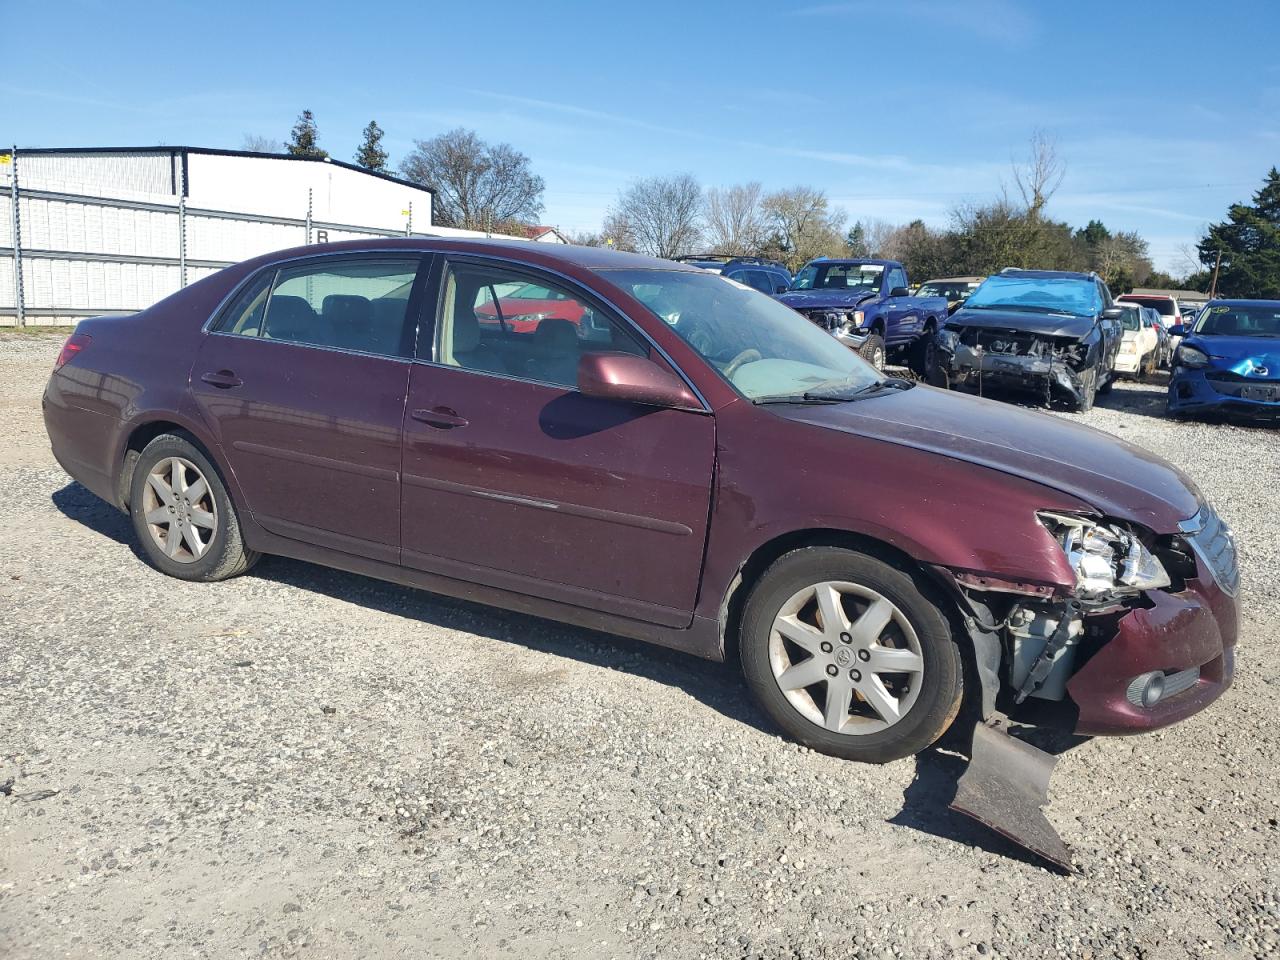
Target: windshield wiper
823 396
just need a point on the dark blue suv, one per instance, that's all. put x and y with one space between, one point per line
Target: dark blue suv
767 276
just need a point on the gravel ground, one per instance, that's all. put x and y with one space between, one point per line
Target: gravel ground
306 763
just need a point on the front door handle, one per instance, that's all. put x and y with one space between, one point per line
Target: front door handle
441 417
223 378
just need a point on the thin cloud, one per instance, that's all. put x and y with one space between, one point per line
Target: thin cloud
999 20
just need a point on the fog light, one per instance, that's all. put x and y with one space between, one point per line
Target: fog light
1146 690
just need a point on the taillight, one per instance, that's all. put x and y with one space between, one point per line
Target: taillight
75 343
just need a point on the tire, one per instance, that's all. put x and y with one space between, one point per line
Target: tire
928 697
206 523
924 353
1085 403
1108 384
873 351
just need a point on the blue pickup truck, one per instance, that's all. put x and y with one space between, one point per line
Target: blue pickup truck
865 304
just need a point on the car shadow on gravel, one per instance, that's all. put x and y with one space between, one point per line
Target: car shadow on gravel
715 684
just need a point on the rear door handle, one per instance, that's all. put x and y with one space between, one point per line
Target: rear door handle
223 378
441 417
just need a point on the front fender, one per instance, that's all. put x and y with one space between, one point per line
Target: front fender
778 478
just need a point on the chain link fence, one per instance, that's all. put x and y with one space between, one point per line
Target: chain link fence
71 254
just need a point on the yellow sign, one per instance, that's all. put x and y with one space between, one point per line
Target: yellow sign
404 213
7 158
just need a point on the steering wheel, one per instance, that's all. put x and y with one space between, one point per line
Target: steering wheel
746 356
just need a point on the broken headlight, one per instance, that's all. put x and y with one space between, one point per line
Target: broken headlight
948 340
1106 557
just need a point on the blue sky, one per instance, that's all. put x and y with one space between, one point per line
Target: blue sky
1165 112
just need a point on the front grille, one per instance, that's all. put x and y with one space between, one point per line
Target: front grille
1230 376
826 319
1213 543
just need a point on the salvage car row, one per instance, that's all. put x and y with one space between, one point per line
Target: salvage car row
1056 335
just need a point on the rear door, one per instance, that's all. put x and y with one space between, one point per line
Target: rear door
302 381
514 479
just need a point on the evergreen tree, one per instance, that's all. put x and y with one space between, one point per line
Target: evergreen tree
1249 240
855 241
371 156
304 141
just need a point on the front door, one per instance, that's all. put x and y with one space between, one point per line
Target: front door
515 480
302 381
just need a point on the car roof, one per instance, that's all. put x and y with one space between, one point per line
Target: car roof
1044 274
954 280
550 255
1269 304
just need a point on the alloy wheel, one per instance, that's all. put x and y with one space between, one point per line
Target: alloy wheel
846 658
179 509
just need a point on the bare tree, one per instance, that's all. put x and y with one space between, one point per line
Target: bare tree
1040 175
477 185
256 143
734 220
878 234
803 224
658 216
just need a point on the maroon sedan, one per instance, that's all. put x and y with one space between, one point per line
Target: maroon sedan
691 464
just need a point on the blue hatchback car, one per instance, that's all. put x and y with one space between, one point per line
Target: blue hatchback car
1229 361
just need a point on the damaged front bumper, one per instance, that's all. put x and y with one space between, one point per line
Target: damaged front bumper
1223 391
1118 665
976 366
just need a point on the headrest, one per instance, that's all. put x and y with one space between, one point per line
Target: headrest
289 318
555 333
347 309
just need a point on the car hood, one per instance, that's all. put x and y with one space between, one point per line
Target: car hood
1048 324
1119 479
816 299
1247 356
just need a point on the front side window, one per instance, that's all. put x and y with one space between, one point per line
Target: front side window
1066 295
761 347
493 320
1130 318
897 279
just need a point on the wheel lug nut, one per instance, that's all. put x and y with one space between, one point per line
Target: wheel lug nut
864 655
826 647
832 669
845 638
855 675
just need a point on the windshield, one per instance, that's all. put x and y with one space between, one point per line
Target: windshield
839 276
1069 295
1228 320
951 291
761 347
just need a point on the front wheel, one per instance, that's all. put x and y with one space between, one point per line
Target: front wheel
849 656
182 515
873 351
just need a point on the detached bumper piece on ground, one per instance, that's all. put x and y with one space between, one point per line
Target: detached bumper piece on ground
1005 787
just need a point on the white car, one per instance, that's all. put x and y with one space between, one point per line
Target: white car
1139 348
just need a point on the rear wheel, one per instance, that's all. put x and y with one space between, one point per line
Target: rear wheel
873 351
850 656
184 520
924 353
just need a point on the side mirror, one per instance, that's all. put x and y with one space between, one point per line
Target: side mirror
1113 313
1178 330
899 292
632 379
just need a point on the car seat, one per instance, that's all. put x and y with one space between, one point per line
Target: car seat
555 352
291 318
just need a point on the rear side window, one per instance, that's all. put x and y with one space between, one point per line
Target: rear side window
358 305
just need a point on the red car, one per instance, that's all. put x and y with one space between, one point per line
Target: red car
700 468
521 307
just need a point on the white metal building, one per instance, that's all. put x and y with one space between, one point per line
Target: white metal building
111 230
